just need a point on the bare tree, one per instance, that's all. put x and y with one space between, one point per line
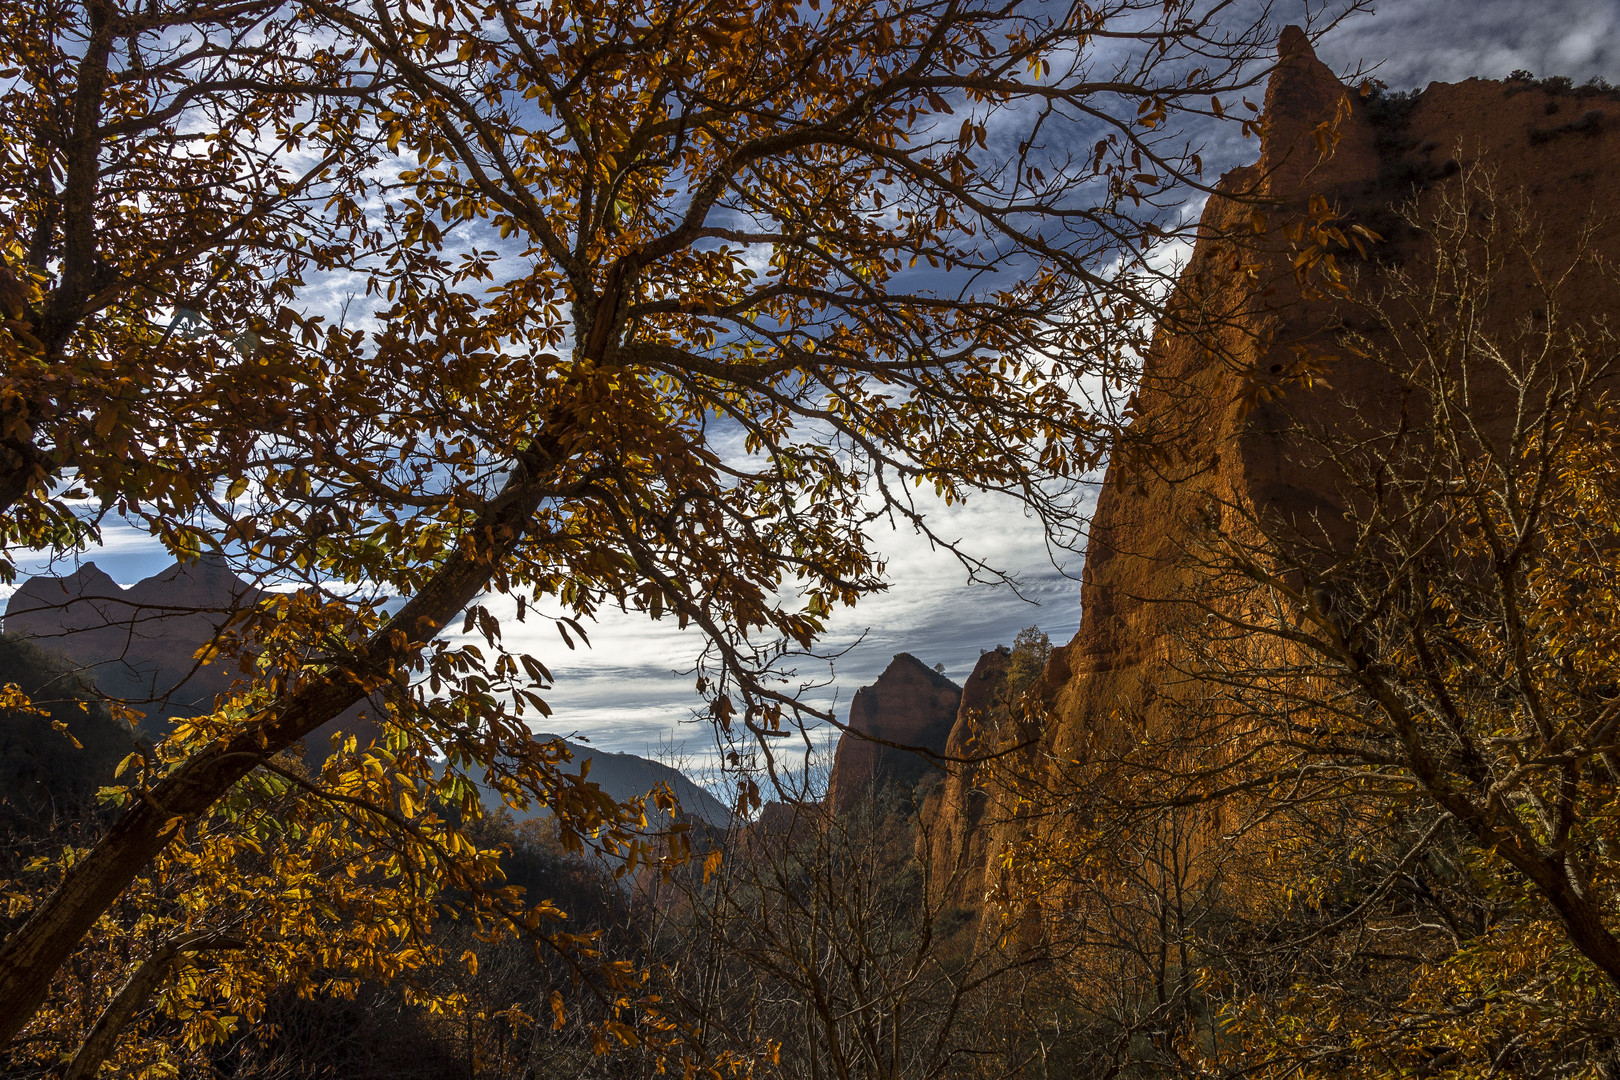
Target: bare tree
1366 823
1414 682
820 947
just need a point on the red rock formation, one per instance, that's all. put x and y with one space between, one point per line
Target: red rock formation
908 706
777 818
1197 446
960 814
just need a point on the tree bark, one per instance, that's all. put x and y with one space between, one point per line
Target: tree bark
137 991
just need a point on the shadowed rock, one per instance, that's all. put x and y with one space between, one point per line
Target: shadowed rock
139 645
910 706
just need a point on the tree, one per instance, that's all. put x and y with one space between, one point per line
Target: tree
271 893
1430 656
1454 637
608 241
821 945
165 170
1031 649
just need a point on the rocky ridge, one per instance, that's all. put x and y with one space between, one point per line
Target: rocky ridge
1201 446
625 776
139 645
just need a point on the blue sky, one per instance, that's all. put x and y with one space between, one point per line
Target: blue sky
630 690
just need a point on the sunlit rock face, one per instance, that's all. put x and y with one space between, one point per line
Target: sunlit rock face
909 706
959 815
1200 443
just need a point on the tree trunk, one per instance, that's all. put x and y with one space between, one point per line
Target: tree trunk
137 991
30 957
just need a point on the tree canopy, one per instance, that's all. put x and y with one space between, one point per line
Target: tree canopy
654 305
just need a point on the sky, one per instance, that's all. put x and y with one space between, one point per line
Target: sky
632 689
1416 42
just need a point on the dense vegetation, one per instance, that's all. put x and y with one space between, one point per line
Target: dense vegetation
665 306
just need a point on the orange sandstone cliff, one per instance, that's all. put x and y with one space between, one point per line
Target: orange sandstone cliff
1210 433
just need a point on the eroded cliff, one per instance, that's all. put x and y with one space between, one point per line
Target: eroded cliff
1209 446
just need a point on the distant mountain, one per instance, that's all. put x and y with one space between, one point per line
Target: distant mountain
625 776
139 643
139 646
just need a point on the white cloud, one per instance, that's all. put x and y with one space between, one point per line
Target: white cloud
632 689
1416 42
